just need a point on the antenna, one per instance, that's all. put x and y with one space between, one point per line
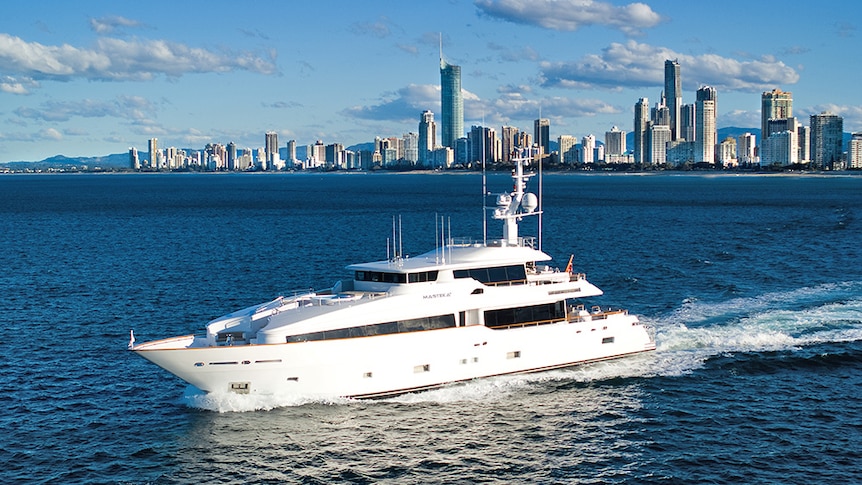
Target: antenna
436 240
541 158
441 50
484 188
394 248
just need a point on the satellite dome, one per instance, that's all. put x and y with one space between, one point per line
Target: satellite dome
530 202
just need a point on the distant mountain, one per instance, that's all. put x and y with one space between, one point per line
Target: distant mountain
107 162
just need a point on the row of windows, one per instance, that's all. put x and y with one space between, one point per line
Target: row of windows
401 326
384 277
529 314
496 274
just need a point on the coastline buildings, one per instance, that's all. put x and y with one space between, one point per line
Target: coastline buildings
669 134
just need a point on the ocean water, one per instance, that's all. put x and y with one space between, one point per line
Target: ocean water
753 285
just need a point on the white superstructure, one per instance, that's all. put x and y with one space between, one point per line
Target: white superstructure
462 311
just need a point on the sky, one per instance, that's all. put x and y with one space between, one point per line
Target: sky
92 78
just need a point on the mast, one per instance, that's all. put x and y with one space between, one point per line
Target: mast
512 207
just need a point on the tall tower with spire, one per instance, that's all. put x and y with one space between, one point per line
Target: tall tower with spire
673 94
451 102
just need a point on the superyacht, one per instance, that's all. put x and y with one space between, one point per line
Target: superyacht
462 311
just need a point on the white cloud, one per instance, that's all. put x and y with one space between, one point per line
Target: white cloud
117 59
12 85
50 134
637 65
123 107
570 15
108 24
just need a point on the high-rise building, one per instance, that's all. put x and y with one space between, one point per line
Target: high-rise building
509 142
427 137
483 144
451 102
271 151
410 154
804 137
827 132
774 104
615 141
568 154
291 152
656 143
134 162
153 147
727 153
542 135
588 147
705 129
687 123
745 144
780 149
673 96
778 125
660 115
231 157
640 130
854 151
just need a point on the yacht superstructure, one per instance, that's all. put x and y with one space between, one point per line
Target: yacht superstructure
465 310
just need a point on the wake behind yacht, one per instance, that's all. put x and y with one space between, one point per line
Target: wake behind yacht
464 310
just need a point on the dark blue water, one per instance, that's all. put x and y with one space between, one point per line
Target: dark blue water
753 284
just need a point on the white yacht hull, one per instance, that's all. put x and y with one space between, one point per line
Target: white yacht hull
399 363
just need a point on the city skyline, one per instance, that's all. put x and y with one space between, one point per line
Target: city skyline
96 78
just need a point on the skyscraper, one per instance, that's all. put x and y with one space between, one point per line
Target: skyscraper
705 114
854 151
291 152
271 150
615 141
542 135
134 162
673 95
640 128
827 143
567 144
427 137
509 141
655 144
231 156
153 147
745 144
775 104
588 146
451 102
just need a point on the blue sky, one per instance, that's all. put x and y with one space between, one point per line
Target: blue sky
88 78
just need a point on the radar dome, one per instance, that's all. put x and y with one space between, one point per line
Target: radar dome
530 202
